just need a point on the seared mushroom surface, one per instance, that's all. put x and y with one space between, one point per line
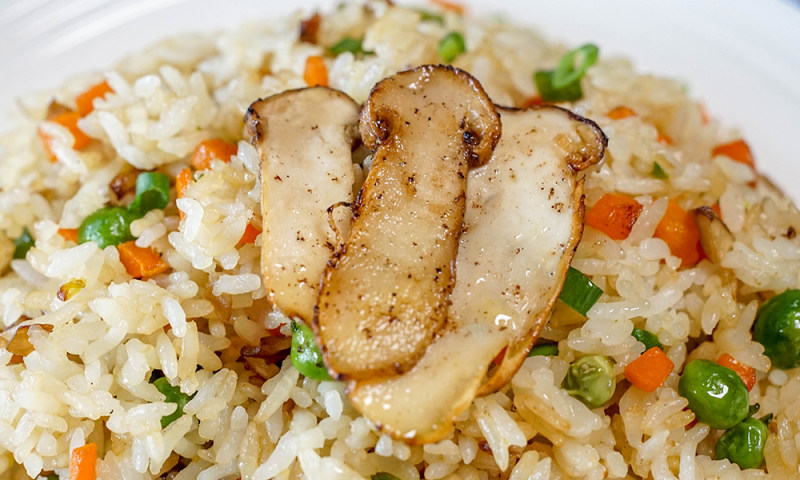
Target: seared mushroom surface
385 294
523 221
304 138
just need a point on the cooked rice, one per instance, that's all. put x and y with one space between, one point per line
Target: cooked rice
87 379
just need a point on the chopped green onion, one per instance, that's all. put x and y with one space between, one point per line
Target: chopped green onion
579 293
383 476
107 226
348 44
451 46
174 395
22 244
152 192
658 172
306 355
564 83
649 340
427 16
567 72
544 350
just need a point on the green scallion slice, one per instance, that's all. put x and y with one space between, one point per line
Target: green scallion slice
568 72
306 355
173 395
544 350
649 339
579 293
348 44
107 226
152 192
451 46
427 16
564 83
23 243
383 476
658 172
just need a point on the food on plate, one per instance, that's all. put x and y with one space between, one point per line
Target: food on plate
385 292
530 195
304 138
148 328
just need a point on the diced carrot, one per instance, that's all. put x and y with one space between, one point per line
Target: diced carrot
69 234
316 73
250 234
140 262
70 121
678 230
83 462
620 112
85 100
452 6
649 371
664 139
182 182
533 102
208 150
746 372
614 214
738 151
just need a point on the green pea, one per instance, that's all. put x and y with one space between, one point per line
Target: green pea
173 395
743 444
648 339
306 355
107 226
544 350
591 380
22 244
152 192
778 329
716 394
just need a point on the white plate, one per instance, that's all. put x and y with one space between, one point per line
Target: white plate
740 57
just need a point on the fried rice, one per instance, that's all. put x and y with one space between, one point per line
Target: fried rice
96 335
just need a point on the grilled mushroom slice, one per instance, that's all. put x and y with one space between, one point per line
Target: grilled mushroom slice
523 221
297 132
715 238
385 294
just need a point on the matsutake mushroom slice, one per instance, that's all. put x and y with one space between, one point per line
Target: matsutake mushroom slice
523 222
715 238
297 132
385 294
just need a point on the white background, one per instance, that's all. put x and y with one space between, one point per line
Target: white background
740 57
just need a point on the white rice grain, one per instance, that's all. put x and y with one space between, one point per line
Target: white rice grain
236 284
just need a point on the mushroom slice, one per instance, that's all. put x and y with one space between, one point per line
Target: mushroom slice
715 238
523 221
297 132
385 294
